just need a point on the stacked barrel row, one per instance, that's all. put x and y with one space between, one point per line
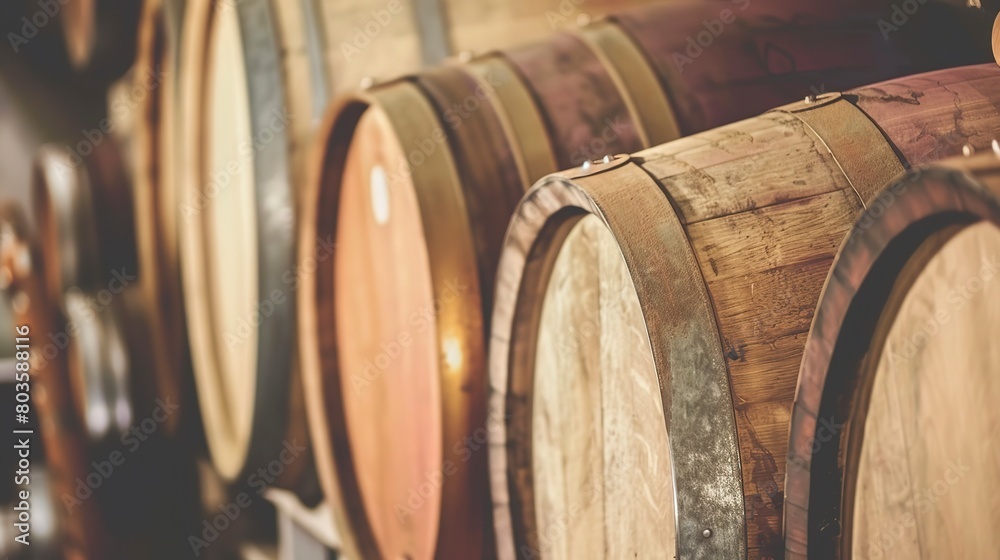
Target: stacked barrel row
602 365
609 415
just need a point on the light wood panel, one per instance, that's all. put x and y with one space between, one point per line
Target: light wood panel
927 487
386 330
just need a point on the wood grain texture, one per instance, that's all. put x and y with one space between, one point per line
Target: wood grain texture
765 207
926 487
879 457
600 452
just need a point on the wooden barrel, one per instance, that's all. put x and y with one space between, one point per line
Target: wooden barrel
156 205
84 533
651 313
243 125
414 189
99 34
373 39
101 419
886 456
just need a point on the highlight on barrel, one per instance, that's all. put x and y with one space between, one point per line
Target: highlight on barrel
243 122
415 182
680 326
886 454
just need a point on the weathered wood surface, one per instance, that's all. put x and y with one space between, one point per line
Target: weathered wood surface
765 207
885 459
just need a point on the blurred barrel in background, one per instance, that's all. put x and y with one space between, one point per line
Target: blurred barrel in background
100 35
886 453
651 314
156 206
417 180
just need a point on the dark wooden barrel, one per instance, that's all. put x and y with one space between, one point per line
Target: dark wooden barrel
651 314
100 35
415 184
101 422
155 204
886 455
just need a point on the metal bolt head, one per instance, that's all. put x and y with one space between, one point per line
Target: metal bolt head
607 159
706 533
810 99
586 165
968 150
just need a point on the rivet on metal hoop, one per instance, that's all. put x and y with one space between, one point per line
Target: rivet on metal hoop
586 165
810 99
996 147
968 150
706 533
607 159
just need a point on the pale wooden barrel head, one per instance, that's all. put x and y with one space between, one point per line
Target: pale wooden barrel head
928 480
387 340
221 270
601 459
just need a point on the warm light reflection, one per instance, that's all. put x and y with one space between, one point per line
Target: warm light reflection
452 353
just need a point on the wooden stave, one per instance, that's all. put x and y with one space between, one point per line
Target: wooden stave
510 288
782 61
943 198
272 57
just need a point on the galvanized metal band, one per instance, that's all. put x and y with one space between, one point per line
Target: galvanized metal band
432 24
858 147
319 94
693 379
636 79
518 114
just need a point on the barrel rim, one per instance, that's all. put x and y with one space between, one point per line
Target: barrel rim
318 344
276 242
922 203
708 493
